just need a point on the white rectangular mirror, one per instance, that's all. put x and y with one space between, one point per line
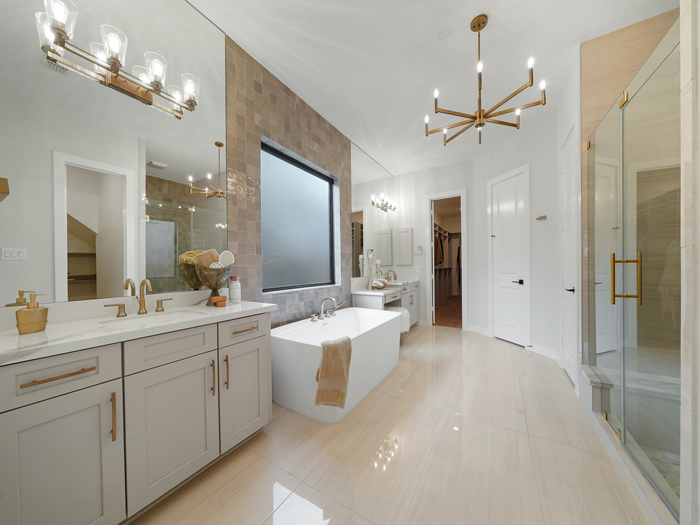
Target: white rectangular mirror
404 246
384 251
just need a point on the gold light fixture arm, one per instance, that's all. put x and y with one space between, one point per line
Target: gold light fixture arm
540 102
442 129
513 94
453 113
446 140
503 123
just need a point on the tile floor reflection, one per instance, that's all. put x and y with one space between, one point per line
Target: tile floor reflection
487 433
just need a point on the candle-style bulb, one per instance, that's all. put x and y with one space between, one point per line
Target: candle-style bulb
444 131
517 112
427 119
190 178
480 66
530 63
209 176
543 85
436 93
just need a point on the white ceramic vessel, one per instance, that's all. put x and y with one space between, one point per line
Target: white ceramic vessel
296 356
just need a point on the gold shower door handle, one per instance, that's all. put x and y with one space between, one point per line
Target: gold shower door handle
638 261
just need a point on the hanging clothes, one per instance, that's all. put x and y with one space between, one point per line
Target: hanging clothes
459 266
439 257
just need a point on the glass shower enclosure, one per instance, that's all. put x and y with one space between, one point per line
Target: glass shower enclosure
634 267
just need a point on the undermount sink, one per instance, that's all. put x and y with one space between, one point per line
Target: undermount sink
153 318
396 283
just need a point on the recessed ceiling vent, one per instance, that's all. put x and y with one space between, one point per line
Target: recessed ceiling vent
156 165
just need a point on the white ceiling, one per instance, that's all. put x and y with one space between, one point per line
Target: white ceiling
370 67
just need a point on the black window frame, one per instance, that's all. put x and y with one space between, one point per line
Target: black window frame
267 148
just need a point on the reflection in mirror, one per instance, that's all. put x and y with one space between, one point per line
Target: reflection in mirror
56 122
369 179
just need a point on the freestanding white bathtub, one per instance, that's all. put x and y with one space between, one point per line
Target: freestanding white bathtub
296 356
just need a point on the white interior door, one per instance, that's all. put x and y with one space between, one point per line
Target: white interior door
569 246
607 230
510 263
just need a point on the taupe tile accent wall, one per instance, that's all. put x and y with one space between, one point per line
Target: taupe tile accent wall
260 105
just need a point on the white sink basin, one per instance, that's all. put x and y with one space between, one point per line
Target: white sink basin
396 283
151 319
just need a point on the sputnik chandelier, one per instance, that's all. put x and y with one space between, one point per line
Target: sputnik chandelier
209 191
479 119
56 27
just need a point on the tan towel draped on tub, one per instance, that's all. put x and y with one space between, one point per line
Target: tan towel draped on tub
334 372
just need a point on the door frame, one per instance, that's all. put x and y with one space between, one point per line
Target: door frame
61 161
523 170
428 254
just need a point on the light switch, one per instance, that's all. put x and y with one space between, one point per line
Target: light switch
14 254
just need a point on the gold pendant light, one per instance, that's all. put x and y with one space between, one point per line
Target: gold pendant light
209 191
480 117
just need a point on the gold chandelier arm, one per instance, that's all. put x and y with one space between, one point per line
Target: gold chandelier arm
454 113
502 122
442 129
540 102
446 140
513 94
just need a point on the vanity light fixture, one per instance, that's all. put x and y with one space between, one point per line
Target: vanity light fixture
56 28
480 117
383 203
209 191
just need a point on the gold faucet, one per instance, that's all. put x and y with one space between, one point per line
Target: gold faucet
387 275
129 283
142 296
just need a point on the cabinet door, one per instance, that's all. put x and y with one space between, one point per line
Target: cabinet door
62 461
172 426
246 390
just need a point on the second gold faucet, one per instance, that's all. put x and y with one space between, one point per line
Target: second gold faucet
142 296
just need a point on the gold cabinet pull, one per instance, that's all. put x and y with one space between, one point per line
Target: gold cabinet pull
244 331
226 361
213 377
638 262
114 416
62 376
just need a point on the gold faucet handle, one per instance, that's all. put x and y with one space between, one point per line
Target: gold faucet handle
122 309
159 304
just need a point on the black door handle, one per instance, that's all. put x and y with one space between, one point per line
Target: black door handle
519 281
572 290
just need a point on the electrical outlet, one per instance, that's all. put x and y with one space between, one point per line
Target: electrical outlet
14 254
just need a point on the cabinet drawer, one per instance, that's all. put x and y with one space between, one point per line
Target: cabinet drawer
414 286
157 350
25 383
232 332
392 297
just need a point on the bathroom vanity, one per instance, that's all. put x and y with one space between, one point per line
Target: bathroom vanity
398 293
101 417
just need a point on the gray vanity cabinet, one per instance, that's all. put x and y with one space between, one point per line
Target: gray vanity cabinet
62 460
245 396
172 426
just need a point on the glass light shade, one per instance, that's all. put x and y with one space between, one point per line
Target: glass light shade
141 73
177 93
156 66
64 15
115 43
98 50
190 87
46 34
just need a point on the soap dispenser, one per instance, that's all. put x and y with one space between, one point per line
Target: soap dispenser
21 300
32 319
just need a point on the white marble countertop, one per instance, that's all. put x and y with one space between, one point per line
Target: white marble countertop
386 291
61 338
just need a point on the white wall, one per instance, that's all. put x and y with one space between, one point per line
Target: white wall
26 151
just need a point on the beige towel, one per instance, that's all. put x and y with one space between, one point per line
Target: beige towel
333 374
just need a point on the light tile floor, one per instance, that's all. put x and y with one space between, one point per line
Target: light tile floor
485 432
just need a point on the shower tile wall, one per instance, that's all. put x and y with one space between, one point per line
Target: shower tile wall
258 104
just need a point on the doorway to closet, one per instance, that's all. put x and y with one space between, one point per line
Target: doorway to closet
447 262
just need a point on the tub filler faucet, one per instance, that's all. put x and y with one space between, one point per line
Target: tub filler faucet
329 313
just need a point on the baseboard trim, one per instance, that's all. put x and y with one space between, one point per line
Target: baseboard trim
478 329
547 352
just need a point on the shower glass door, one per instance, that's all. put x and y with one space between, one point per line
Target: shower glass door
634 227
651 227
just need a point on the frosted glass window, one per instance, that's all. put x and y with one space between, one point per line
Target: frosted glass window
297 223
